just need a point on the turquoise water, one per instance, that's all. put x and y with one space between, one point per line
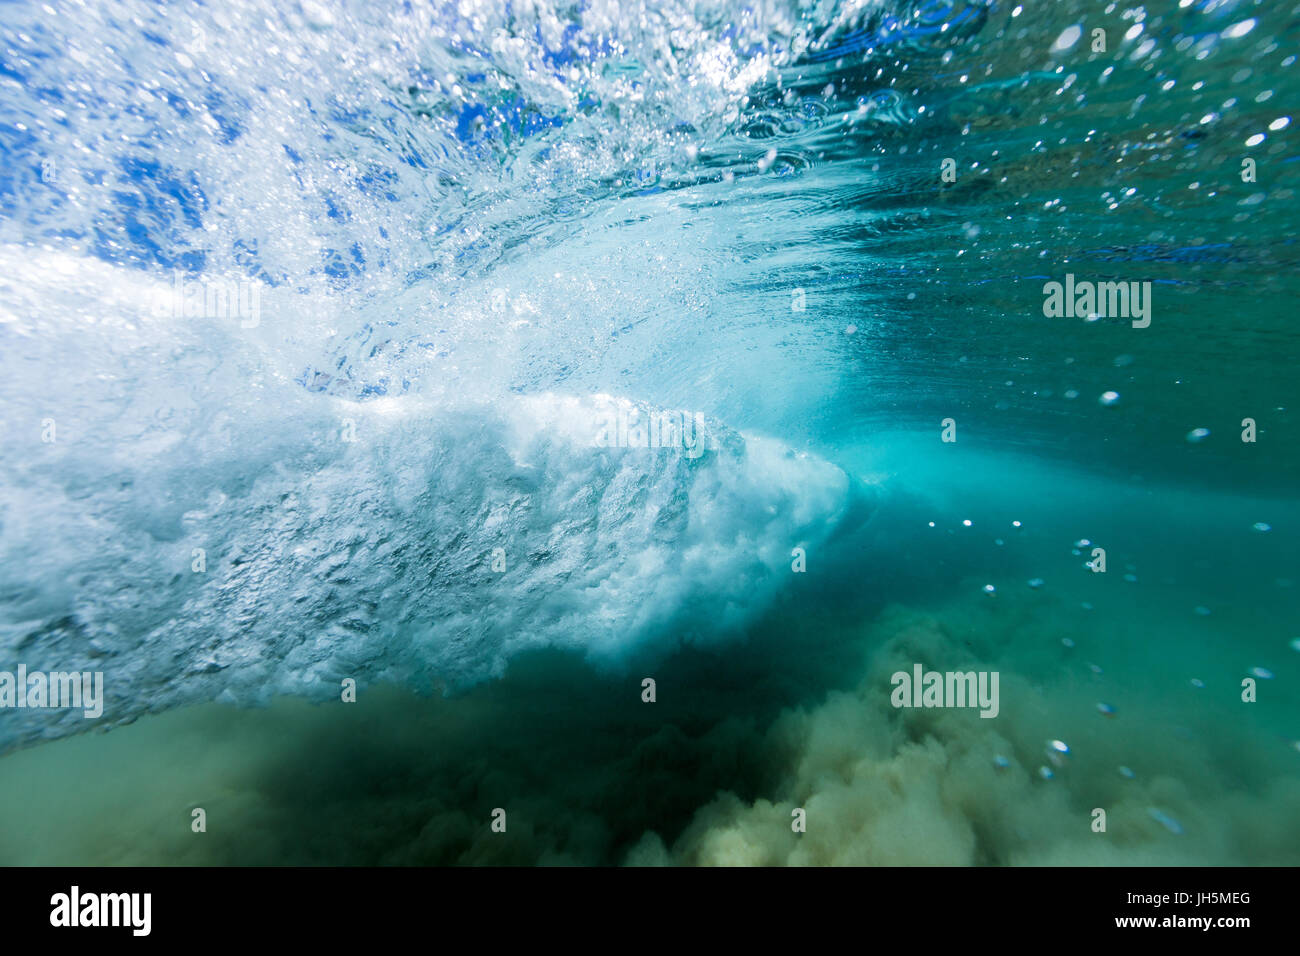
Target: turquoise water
391 390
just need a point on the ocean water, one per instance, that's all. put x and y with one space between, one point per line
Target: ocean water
391 390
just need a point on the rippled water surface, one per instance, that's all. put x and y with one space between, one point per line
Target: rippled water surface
332 334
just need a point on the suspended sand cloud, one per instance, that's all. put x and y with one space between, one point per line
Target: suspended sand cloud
588 773
320 307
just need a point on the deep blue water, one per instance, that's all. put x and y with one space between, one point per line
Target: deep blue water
496 358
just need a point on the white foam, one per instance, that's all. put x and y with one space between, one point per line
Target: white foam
326 558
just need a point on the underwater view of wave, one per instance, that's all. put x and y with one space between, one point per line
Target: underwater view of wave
649 432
